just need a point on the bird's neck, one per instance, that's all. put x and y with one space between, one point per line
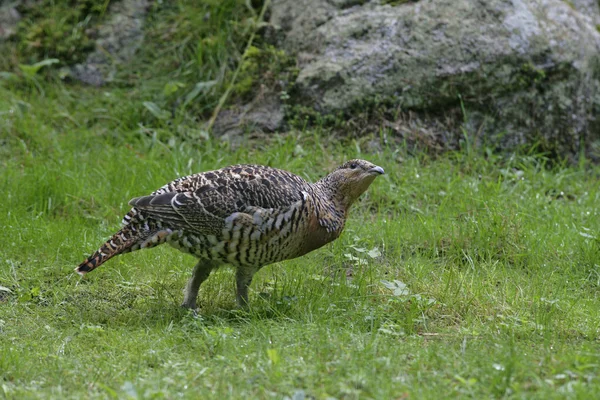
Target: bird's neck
331 191
331 206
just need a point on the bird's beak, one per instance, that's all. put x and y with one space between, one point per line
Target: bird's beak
376 170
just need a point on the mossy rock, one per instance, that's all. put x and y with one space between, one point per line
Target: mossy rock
264 66
518 73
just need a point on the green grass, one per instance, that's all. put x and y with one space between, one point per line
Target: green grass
465 275
499 257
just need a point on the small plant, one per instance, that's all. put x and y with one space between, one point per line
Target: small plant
268 67
361 256
28 73
58 30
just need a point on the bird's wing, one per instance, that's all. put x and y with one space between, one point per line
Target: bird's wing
203 202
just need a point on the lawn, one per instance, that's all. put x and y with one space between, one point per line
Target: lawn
464 275
470 274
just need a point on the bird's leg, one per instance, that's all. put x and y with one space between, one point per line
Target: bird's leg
201 272
243 278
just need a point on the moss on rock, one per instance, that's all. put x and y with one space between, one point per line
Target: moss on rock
265 66
62 30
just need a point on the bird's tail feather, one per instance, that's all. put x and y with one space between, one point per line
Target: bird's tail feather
121 242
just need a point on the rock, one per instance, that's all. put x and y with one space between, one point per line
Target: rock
588 8
9 18
510 72
263 114
118 40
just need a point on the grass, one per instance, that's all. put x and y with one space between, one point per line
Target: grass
464 275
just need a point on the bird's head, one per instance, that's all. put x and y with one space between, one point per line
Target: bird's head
350 180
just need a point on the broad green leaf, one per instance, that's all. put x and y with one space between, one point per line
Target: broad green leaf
31 70
399 288
273 355
198 88
374 252
172 87
156 110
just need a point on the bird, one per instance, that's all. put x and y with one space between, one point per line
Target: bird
244 215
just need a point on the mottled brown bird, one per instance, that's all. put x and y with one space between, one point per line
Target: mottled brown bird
244 215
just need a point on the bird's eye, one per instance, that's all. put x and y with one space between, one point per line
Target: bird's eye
353 166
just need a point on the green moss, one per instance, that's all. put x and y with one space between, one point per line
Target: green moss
352 3
264 66
530 74
301 116
62 30
398 2
465 97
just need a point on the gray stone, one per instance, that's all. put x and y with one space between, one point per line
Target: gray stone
118 40
263 114
588 8
9 18
525 70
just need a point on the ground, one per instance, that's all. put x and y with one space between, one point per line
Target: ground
467 274
470 274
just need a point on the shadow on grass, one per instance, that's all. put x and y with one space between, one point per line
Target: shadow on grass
159 305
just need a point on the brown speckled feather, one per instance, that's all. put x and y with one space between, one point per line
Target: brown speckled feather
202 202
245 215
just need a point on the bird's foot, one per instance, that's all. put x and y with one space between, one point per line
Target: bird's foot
190 306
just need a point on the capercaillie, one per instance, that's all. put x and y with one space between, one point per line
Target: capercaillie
247 216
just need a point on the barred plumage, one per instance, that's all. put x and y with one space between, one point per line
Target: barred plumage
244 215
